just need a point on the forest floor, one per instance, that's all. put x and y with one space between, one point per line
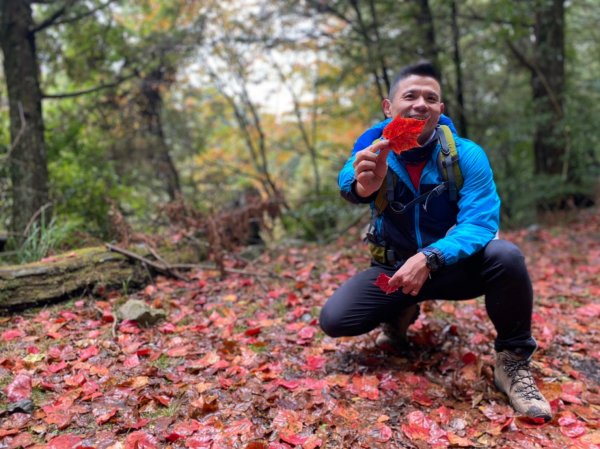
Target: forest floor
240 362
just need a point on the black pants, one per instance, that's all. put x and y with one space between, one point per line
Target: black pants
498 272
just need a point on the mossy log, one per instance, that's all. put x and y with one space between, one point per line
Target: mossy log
66 275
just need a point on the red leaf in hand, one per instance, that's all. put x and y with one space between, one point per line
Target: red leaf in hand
19 388
383 282
403 132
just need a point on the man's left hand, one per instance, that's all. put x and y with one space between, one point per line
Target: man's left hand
412 275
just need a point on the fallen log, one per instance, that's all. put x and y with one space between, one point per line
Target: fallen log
66 275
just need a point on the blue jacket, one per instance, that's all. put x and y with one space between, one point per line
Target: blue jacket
452 229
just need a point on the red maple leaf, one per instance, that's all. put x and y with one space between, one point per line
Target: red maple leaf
19 388
67 441
402 132
383 282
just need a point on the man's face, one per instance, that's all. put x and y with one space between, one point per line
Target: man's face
417 97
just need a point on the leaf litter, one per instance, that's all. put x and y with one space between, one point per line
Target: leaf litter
239 363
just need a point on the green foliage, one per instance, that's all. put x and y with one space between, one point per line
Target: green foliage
44 237
321 217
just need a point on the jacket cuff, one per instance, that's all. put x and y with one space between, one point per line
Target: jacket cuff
437 252
353 197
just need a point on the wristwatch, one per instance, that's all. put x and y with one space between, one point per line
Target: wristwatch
432 261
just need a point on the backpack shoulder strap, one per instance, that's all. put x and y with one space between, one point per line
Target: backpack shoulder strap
448 162
385 194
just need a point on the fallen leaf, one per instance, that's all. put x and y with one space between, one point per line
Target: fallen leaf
403 132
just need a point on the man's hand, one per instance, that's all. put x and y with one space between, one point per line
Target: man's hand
370 168
412 275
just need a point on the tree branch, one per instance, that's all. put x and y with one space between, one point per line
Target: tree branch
87 91
13 145
54 17
84 15
535 70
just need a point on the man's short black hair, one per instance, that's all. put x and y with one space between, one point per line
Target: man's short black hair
421 68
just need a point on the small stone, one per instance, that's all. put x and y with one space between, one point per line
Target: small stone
140 312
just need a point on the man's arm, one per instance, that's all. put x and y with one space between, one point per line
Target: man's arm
478 217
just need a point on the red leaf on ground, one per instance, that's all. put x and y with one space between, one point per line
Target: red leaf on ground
140 440
366 387
19 388
468 358
11 334
56 367
132 361
571 392
291 384
292 438
383 281
252 332
402 132
314 363
67 441
88 353
307 333
417 427
106 416
381 433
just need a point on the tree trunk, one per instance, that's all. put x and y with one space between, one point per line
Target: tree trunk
151 105
28 160
460 101
548 83
425 23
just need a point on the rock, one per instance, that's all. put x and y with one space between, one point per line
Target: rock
142 313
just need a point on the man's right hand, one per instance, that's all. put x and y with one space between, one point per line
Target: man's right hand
370 167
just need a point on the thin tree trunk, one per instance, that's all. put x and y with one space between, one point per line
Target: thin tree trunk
425 22
460 109
151 110
27 158
548 84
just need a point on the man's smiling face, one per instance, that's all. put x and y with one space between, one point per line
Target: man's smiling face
417 97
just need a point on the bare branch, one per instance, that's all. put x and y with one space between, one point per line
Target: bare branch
84 15
88 91
13 145
535 70
54 17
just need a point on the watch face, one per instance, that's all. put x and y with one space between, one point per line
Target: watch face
432 261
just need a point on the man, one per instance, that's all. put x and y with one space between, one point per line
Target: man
436 246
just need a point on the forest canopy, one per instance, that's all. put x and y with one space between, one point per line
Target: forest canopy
142 111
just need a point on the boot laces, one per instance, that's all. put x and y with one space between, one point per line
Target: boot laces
520 375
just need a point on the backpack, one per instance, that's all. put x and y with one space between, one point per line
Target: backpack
453 179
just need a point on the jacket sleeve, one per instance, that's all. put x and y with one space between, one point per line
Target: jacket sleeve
346 178
478 208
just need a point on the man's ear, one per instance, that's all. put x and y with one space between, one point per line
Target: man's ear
386 105
442 108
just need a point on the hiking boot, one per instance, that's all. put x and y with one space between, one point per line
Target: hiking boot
512 376
393 333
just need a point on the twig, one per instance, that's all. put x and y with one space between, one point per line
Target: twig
157 256
13 145
190 266
35 216
164 269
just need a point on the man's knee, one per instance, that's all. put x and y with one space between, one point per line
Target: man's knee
328 322
505 255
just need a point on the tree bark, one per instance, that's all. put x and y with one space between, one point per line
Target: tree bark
548 84
461 118
151 105
66 275
27 157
